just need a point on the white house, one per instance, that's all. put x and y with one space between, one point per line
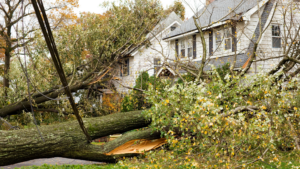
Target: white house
147 58
230 29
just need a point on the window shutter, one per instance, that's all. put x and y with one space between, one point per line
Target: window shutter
194 46
176 47
128 66
234 39
211 42
121 66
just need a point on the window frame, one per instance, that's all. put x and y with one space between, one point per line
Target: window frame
173 28
156 65
182 50
276 36
125 65
228 36
218 41
188 47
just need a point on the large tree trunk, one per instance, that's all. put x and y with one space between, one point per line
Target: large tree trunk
67 140
7 60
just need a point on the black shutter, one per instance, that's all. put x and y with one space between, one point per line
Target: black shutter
234 39
211 42
194 46
121 66
128 66
176 47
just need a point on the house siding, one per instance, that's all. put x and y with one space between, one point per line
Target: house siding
143 60
265 49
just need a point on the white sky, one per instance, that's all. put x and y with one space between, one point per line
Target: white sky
93 6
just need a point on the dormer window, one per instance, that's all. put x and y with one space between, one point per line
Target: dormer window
228 38
276 36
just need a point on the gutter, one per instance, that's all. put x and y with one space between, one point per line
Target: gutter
195 31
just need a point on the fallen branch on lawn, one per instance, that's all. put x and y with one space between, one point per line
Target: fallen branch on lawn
240 109
67 140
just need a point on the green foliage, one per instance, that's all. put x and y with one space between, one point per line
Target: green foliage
92 43
187 77
224 70
136 99
178 8
205 129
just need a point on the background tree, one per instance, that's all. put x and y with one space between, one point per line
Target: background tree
12 12
178 8
91 51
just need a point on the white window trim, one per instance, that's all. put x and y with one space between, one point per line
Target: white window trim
230 37
218 48
186 45
157 65
280 27
222 47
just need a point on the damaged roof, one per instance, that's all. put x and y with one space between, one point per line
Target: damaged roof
215 12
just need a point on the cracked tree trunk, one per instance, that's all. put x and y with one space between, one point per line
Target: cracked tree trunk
67 140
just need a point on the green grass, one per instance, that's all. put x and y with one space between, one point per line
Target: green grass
98 143
46 166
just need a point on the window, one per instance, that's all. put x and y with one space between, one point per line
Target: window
190 47
157 65
173 28
276 36
228 38
186 47
182 48
125 68
219 39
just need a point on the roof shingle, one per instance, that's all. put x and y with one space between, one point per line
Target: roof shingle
214 12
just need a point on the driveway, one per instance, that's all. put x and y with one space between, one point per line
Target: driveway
52 161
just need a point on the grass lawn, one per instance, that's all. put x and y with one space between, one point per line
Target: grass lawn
46 166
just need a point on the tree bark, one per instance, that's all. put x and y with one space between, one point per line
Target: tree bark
67 139
25 104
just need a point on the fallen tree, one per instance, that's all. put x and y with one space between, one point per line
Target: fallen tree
67 140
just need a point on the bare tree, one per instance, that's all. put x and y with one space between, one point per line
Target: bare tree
14 11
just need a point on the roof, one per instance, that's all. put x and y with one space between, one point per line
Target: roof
162 25
241 59
218 62
215 12
165 68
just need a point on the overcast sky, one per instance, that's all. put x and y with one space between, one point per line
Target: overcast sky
93 6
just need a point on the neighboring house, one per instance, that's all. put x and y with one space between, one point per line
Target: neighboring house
148 57
229 35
